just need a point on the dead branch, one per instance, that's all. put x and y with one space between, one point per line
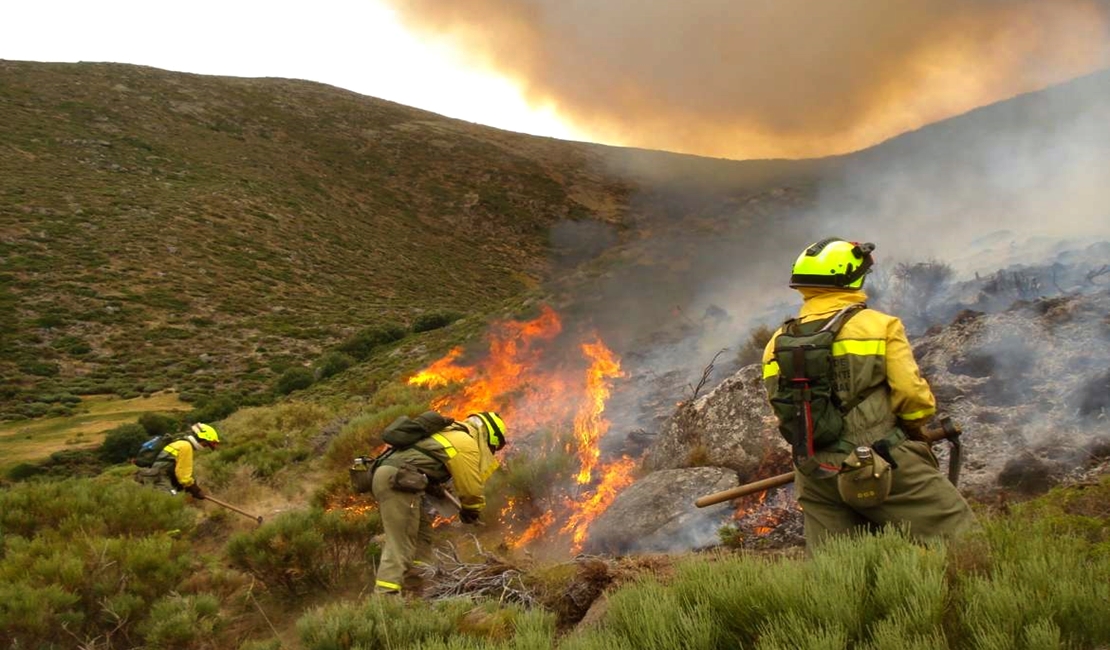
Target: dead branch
705 374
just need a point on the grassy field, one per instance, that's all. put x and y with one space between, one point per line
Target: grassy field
32 440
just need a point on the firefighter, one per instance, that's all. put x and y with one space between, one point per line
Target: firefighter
870 470
172 469
461 452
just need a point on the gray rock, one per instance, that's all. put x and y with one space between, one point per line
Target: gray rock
657 513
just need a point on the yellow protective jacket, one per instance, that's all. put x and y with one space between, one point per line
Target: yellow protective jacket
459 453
879 358
181 453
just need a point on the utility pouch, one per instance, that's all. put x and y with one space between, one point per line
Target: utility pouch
408 479
864 483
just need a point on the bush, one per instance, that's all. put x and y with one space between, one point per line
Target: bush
212 409
434 321
294 379
362 345
178 621
752 350
157 424
332 364
122 443
305 551
80 560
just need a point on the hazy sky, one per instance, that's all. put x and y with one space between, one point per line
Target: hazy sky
728 78
358 45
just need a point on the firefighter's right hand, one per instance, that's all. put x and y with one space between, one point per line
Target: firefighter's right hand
195 491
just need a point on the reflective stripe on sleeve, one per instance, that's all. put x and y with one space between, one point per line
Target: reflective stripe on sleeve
770 369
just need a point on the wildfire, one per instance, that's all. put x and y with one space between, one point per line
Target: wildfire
539 389
617 476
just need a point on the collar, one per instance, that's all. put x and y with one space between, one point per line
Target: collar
824 302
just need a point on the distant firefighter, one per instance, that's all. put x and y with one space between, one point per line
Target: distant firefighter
171 461
850 400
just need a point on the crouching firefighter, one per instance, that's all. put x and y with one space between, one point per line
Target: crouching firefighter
172 467
850 400
461 452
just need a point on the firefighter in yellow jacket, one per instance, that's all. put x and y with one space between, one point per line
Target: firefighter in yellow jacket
461 452
173 468
857 462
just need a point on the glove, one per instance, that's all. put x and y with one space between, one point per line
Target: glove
469 516
195 491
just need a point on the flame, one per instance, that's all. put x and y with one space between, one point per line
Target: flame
537 389
589 427
616 477
442 372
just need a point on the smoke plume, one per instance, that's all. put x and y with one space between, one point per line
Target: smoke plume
750 79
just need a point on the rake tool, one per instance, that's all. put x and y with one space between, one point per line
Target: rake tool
257 518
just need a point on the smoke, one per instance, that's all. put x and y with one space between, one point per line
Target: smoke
750 79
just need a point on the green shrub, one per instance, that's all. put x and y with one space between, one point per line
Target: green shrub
24 471
294 379
178 621
122 443
108 506
212 409
362 345
332 364
305 551
55 590
434 320
157 424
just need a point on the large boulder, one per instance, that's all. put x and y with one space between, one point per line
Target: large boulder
657 513
731 426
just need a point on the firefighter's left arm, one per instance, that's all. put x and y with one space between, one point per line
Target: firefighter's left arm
910 395
468 483
771 367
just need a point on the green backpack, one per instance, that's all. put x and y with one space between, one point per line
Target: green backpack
811 416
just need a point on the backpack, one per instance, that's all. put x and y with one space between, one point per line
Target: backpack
150 449
810 414
402 433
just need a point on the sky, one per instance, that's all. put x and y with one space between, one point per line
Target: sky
726 78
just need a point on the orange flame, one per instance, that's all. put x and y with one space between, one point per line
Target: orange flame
534 394
615 478
442 372
589 427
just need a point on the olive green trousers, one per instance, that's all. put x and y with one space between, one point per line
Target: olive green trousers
408 534
922 499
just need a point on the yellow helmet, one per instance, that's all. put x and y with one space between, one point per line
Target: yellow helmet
495 427
205 433
833 262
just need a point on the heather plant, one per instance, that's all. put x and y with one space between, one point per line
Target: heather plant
453 624
265 439
366 341
185 622
305 551
434 320
294 379
81 559
122 443
108 506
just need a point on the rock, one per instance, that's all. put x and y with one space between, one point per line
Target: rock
732 426
657 513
